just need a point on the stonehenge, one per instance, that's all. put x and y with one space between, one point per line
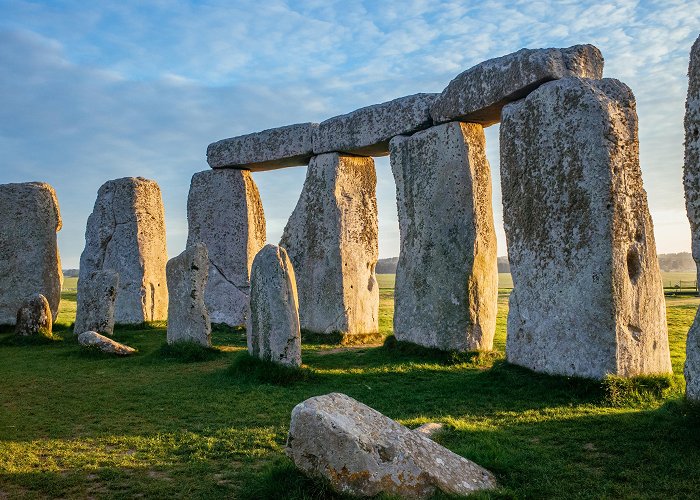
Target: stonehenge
331 239
29 258
126 233
96 298
94 340
224 211
34 317
587 299
273 332
447 273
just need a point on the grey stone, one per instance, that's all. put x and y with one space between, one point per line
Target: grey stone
691 181
126 233
447 276
331 239
270 149
273 327
361 452
104 344
188 319
588 298
29 259
430 429
225 213
479 93
34 317
96 297
367 131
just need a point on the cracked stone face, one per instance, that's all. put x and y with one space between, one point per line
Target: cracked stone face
29 258
126 233
224 211
588 299
96 297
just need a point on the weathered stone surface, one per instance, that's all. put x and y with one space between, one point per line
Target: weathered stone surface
34 317
96 297
588 298
188 319
225 213
126 233
104 344
447 276
361 452
367 131
479 93
273 326
270 149
691 181
29 259
331 239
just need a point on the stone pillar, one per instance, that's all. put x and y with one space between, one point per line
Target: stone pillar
29 259
447 277
588 298
96 297
225 213
331 239
126 234
691 181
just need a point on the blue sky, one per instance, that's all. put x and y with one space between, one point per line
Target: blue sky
91 91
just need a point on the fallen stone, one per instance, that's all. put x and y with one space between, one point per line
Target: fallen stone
367 131
361 452
588 298
691 182
96 297
188 319
479 93
331 239
274 148
225 213
273 327
34 317
104 344
126 233
447 275
29 259
430 429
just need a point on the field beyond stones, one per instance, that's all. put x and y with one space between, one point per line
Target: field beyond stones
74 424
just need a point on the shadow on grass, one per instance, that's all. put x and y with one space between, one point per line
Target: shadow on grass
340 339
247 368
406 350
187 352
12 340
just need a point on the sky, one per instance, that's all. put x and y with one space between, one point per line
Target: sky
92 91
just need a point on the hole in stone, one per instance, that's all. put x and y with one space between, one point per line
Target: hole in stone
634 265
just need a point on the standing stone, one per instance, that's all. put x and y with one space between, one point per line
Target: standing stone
188 319
273 327
29 259
225 213
691 181
34 317
588 298
126 234
331 239
447 275
96 296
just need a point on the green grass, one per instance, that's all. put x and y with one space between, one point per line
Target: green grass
153 426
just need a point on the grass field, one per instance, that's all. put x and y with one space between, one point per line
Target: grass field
75 425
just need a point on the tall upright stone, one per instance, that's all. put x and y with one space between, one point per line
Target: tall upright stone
126 233
96 297
447 277
588 298
29 259
331 239
691 181
224 211
273 327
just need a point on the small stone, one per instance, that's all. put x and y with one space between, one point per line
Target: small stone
96 297
188 319
34 317
273 327
288 146
29 259
479 93
367 131
104 344
361 452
